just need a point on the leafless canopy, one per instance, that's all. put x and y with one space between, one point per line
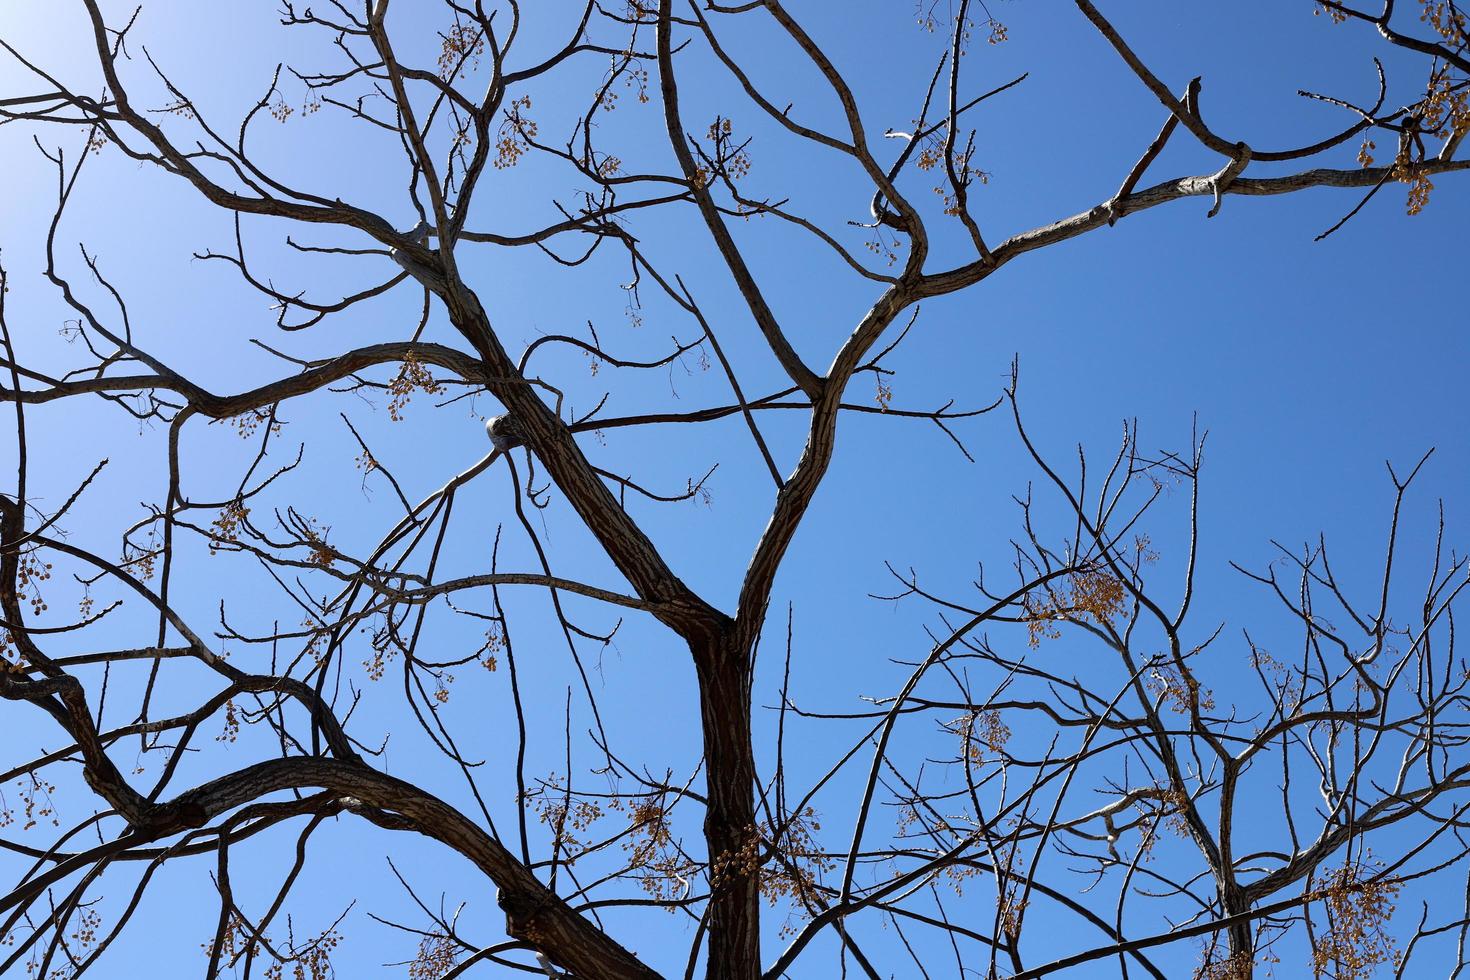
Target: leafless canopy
1109 793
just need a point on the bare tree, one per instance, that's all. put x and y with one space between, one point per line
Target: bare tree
268 620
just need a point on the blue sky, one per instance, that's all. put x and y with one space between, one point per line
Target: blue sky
1309 364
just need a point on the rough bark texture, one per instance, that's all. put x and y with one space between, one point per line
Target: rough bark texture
729 825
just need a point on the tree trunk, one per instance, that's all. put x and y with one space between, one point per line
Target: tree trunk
729 826
1240 937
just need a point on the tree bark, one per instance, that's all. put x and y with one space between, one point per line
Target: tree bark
729 825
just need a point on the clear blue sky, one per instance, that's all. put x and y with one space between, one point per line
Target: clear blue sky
1309 364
